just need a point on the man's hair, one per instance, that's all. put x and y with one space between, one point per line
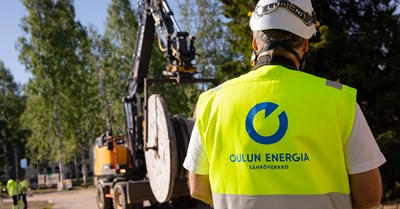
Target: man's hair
267 37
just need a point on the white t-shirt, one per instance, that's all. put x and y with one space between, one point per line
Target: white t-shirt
361 151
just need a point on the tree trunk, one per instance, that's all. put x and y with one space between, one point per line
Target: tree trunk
6 160
60 144
82 148
76 168
84 167
104 99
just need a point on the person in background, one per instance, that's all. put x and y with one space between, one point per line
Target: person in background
23 188
12 192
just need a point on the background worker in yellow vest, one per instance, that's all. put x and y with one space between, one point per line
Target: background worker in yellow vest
279 138
12 192
23 188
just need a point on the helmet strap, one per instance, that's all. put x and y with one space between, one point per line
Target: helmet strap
255 54
286 46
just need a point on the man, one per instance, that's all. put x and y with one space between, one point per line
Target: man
23 187
279 138
12 192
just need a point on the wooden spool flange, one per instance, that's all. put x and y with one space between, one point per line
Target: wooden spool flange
161 150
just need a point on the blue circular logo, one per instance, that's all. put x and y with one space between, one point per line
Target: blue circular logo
269 108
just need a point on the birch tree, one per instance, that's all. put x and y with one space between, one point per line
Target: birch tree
51 50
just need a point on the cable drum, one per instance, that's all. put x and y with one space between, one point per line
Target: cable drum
183 128
166 147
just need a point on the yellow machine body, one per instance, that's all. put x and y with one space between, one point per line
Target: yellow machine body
109 162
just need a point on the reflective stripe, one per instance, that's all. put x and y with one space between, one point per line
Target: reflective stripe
325 201
216 88
334 84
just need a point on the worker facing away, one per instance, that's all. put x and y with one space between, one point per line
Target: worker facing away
280 138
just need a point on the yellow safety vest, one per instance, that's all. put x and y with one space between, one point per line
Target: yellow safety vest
11 187
23 186
276 137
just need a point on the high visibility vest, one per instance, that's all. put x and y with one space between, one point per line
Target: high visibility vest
11 187
275 137
23 186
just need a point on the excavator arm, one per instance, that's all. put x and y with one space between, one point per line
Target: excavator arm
178 46
155 17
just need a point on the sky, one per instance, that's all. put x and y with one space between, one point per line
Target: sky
11 11
92 12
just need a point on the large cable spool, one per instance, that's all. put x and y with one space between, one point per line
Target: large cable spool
166 147
183 129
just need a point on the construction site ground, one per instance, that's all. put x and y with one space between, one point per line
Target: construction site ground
86 198
70 199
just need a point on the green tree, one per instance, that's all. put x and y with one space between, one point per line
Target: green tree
39 118
114 51
99 59
204 19
52 51
12 105
390 145
240 39
84 111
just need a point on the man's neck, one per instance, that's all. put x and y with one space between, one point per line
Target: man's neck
277 60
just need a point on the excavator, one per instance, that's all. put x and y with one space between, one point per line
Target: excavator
145 166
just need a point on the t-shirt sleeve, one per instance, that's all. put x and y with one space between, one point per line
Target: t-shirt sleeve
361 151
196 160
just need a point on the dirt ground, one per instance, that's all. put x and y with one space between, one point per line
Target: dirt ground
40 204
31 205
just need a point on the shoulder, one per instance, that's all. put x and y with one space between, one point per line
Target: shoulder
362 152
242 78
341 87
334 86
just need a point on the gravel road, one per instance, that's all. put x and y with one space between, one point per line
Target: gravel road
78 199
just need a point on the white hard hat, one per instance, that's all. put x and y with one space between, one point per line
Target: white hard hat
295 16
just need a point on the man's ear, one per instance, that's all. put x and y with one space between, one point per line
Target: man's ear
254 44
305 46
